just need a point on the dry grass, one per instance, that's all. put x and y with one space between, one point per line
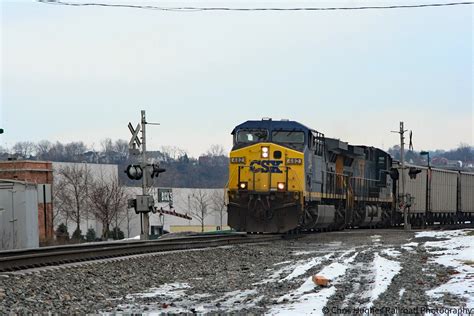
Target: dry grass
468 262
471 233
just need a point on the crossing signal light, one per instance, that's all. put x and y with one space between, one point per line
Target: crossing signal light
156 171
134 172
413 172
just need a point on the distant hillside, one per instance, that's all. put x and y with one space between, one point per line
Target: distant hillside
210 170
461 158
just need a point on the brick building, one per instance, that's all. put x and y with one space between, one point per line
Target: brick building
41 174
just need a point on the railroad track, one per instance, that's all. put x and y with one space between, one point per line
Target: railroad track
47 256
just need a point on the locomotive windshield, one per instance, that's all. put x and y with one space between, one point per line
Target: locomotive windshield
252 135
291 137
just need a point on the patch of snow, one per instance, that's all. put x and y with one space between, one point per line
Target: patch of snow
459 254
385 270
442 233
301 253
391 252
375 238
302 268
284 262
230 298
305 300
312 303
402 291
174 290
409 246
275 276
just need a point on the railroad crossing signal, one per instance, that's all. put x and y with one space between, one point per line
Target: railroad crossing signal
135 140
412 172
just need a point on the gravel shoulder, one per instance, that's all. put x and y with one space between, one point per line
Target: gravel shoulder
391 271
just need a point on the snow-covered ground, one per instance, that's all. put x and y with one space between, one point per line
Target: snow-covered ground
384 270
375 266
456 252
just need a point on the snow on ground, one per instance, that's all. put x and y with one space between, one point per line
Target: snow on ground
230 298
283 262
375 238
304 301
285 269
410 246
304 252
302 268
402 291
458 254
384 270
391 252
169 289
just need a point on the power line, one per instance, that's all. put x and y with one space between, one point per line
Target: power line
191 9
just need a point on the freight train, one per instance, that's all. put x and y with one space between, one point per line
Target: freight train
286 177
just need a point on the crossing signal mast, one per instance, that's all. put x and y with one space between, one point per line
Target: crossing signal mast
144 203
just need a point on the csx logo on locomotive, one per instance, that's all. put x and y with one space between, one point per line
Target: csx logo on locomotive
266 166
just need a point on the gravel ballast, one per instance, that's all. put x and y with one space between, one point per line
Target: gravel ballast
242 278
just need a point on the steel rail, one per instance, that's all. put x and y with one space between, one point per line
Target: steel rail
32 258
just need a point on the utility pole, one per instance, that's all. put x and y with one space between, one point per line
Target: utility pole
402 131
145 216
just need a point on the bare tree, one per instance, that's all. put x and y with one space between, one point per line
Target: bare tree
62 202
198 206
43 148
57 152
215 151
24 149
74 151
218 205
76 182
172 152
121 146
107 145
109 202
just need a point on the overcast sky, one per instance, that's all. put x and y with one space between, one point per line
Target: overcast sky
82 73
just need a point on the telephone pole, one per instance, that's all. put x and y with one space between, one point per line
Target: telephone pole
402 196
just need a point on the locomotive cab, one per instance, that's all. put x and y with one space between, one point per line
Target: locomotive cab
265 172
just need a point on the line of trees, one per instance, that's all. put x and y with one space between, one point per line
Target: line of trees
77 194
210 170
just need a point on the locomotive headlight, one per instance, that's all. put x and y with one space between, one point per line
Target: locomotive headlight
243 185
265 152
281 186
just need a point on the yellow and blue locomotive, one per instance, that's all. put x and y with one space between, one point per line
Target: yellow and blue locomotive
284 176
